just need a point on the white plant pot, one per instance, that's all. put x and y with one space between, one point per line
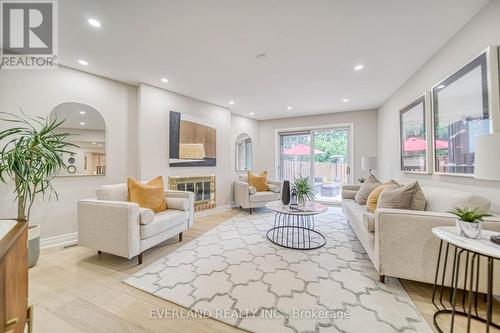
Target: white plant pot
33 244
468 229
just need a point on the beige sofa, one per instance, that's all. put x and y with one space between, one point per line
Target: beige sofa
400 242
113 225
247 197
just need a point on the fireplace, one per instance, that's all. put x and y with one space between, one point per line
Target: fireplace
203 188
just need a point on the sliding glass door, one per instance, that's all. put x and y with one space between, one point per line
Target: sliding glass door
323 155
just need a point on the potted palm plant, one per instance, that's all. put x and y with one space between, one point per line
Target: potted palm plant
304 189
30 158
469 221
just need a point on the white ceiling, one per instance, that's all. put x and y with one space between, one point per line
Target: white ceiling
208 49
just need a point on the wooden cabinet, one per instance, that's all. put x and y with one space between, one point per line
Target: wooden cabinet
14 279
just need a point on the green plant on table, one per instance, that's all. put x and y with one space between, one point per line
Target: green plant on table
31 156
469 215
304 189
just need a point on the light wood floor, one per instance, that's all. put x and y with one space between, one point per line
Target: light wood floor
76 290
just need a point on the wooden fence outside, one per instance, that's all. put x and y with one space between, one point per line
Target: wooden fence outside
326 171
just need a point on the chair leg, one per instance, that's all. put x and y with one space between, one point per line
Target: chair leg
180 237
250 210
382 278
99 252
139 257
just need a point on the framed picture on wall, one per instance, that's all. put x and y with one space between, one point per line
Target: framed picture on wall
462 110
413 137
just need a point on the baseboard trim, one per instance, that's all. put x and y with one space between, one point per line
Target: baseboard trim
60 240
216 210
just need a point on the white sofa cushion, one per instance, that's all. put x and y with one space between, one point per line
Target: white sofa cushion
264 196
164 221
442 200
146 215
369 221
178 203
115 192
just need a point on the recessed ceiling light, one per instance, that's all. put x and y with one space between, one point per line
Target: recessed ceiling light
82 123
164 80
289 108
251 113
358 67
93 22
93 143
345 100
82 112
83 62
231 102
441 86
100 145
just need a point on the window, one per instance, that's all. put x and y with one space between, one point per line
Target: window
243 153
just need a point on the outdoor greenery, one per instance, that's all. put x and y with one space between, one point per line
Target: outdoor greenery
469 215
331 144
31 156
303 187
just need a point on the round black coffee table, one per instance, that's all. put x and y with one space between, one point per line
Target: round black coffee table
294 229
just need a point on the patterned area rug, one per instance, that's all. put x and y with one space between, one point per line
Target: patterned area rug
234 274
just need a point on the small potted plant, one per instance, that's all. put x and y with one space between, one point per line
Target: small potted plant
304 189
469 221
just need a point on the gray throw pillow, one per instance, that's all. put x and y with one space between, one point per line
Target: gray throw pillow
419 202
368 186
398 198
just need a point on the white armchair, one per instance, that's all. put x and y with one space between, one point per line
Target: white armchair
246 196
113 225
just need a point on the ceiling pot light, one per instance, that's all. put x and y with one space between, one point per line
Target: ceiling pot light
358 67
231 102
82 112
251 113
83 62
82 123
93 22
164 80
345 100
441 86
289 108
93 143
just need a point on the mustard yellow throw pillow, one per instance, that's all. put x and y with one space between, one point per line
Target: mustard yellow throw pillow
150 195
258 181
371 202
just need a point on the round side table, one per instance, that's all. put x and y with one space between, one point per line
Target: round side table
294 229
472 250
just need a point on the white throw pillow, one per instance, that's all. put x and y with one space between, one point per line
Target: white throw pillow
252 190
273 188
147 215
177 203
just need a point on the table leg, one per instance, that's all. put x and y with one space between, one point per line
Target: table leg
490 294
436 276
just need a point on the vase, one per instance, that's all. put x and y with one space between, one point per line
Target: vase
468 229
33 245
285 192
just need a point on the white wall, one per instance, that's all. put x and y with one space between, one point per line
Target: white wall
37 92
480 32
365 136
153 137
